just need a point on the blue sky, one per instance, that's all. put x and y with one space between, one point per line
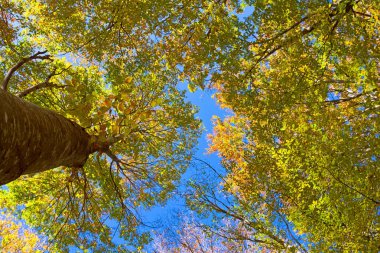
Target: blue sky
208 108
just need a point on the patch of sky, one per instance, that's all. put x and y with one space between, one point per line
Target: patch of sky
276 140
248 11
249 30
333 95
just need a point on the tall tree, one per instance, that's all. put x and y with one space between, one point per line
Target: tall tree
301 81
113 124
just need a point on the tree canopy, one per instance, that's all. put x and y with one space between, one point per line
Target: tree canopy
299 145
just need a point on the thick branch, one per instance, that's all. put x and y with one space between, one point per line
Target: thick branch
38 55
38 87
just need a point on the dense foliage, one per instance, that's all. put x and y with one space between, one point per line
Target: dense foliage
299 147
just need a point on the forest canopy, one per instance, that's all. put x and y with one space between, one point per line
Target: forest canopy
94 126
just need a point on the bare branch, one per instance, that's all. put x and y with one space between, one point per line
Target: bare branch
39 55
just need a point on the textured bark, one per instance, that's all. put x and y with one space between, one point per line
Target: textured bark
33 139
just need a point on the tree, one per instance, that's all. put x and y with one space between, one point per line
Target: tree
300 79
237 222
113 123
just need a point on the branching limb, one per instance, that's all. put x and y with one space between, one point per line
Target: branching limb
119 165
41 55
45 84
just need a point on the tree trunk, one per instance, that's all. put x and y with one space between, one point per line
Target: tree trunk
33 139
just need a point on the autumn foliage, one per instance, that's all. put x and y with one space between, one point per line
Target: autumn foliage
298 144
